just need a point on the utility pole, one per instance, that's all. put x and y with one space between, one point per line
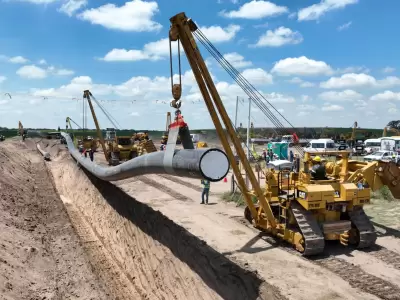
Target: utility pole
235 152
237 102
248 141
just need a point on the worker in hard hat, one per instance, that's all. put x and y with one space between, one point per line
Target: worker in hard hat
318 171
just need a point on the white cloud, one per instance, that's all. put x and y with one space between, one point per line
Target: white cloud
39 1
353 69
386 96
392 110
127 55
263 25
315 11
353 80
255 10
237 60
32 72
135 114
346 95
14 59
18 60
151 51
344 26
303 113
360 103
64 72
257 76
2 78
301 66
305 98
135 15
301 82
279 37
42 62
279 98
306 107
388 70
333 107
218 34
71 6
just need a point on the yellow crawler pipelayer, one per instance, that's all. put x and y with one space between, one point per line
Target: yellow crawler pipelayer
293 207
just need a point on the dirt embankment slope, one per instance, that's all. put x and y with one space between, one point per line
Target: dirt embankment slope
40 254
160 259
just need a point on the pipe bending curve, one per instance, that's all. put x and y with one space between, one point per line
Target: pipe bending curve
208 163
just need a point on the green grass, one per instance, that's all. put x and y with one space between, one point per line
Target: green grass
383 194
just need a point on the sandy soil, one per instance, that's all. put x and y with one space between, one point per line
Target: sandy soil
40 254
149 238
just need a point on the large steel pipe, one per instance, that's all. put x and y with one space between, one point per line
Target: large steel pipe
208 163
45 154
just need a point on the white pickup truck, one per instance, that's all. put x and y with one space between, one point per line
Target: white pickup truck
381 155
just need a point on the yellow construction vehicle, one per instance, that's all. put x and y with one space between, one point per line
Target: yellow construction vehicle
140 136
391 129
294 207
117 149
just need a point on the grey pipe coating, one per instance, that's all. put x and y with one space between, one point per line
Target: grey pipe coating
206 163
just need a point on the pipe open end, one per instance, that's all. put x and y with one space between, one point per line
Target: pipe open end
214 165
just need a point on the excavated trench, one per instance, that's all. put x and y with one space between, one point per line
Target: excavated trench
150 256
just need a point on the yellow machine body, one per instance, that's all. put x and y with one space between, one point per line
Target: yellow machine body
294 207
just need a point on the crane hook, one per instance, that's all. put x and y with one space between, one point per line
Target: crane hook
176 88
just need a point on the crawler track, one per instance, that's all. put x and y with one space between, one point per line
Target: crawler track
313 237
366 230
354 275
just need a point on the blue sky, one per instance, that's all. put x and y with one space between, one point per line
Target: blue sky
320 62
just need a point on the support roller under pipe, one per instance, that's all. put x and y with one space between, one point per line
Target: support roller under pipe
207 163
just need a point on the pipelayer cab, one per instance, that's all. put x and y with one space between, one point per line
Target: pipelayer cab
294 207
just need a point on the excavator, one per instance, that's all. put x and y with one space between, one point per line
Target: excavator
294 206
21 131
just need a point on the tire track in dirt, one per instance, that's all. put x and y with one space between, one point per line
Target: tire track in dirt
185 183
353 274
101 260
176 195
390 257
224 277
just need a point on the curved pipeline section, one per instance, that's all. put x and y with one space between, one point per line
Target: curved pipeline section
45 154
211 164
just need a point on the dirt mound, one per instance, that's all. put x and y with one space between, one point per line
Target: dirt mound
162 259
40 255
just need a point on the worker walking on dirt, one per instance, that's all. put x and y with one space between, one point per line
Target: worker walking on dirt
206 190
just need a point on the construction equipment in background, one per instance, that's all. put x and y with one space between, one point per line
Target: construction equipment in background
201 145
294 207
164 138
117 149
85 143
141 136
2 138
390 129
21 131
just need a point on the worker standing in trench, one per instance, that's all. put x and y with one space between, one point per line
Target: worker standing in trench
206 190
